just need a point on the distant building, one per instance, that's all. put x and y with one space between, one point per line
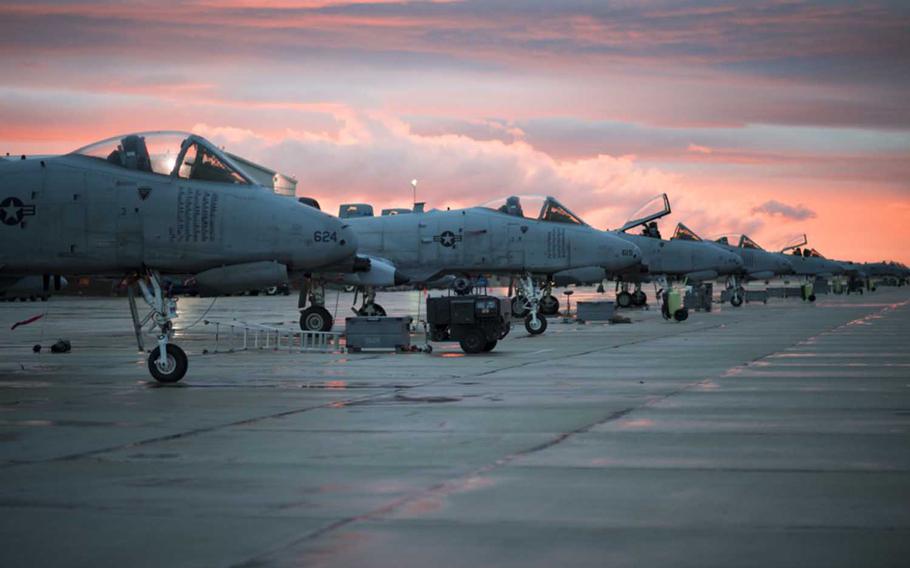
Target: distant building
266 177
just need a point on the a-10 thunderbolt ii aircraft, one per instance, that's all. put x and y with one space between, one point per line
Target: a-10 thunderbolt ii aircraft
158 202
663 261
757 263
525 236
808 262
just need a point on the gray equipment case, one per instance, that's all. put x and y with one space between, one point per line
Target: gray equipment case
376 332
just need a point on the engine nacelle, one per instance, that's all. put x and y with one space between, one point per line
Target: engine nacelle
241 277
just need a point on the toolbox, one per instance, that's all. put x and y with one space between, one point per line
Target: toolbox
375 332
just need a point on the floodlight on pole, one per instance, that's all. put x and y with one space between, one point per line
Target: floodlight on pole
414 190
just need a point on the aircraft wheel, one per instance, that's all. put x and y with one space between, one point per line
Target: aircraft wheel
175 367
624 299
271 290
549 305
473 341
639 298
681 314
489 346
536 328
519 307
371 310
736 300
316 318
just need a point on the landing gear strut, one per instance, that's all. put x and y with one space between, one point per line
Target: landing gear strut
736 291
167 362
369 307
531 294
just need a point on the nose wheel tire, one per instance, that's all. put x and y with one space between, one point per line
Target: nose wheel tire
371 310
538 327
174 367
624 299
316 318
639 298
736 300
549 305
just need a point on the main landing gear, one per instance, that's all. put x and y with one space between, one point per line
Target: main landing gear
314 316
627 299
167 363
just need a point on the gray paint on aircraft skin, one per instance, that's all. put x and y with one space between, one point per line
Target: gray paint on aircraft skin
75 214
478 240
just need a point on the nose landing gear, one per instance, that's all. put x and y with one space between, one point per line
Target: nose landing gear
167 363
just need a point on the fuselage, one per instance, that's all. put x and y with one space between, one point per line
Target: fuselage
76 214
482 240
759 264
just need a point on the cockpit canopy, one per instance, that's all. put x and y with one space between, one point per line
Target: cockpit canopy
647 215
684 233
178 154
547 209
742 241
794 242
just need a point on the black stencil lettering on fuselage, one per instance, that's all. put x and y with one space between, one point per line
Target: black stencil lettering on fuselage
197 213
556 243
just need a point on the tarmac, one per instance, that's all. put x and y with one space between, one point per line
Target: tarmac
768 435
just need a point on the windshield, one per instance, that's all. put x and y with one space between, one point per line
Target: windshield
547 209
746 242
684 233
178 154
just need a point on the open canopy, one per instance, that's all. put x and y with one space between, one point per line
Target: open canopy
535 207
743 241
684 233
178 154
653 209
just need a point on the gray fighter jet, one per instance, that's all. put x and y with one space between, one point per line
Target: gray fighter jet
160 202
526 236
663 261
808 262
757 263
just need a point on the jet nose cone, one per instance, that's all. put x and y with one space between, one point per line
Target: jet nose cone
617 253
731 262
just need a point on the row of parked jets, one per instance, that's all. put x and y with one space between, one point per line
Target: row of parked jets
140 206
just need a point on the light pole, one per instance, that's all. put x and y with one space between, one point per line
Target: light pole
414 190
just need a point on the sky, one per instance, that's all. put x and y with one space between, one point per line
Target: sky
767 118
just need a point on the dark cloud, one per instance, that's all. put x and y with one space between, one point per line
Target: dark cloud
776 208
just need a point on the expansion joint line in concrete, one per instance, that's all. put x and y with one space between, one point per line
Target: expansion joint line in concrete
458 483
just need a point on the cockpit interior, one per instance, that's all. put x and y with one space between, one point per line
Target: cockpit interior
177 154
549 209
